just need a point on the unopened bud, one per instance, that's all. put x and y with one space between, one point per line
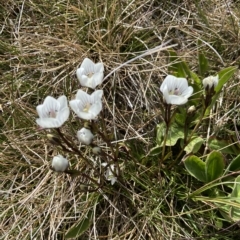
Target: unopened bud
59 163
96 150
210 82
53 139
191 109
85 136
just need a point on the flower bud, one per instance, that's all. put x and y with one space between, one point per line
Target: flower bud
85 136
96 150
191 109
53 139
59 163
210 82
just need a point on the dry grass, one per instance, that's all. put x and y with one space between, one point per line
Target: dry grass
42 44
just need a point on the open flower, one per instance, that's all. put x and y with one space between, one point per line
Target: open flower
85 136
109 174
87 106
53 112
90 74
59 163
176 90
209 82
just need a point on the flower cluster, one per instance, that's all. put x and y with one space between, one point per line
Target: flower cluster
53 113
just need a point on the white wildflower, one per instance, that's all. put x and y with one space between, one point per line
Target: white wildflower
109 173
87 106
53 112
176 90
90 74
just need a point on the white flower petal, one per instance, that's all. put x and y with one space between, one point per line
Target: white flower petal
83 96
95 109
86 82
99 67
63 115
97 95
80 73
87 63
168 81
97 79
113 180
177 100
166 94
74 105
48 122
187 92
63 102
41 112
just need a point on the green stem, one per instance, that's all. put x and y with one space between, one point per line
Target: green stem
188 140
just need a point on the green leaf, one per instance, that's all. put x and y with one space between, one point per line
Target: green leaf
175 133
225 146
236 189
196 167
224 76
235 164
79 228
161 129
194 145
196 80
214 166
155 151
202 63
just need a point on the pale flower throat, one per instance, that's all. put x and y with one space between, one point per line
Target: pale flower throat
53 113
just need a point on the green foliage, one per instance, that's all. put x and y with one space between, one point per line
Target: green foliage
234 164
214 166
223 145
224 76
194 145
81 226
175 133
202 63
205 171
196 167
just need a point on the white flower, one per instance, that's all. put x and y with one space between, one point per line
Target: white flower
211 81
53 112
90 74
109 174
176 90
87 106
85 136
59 163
